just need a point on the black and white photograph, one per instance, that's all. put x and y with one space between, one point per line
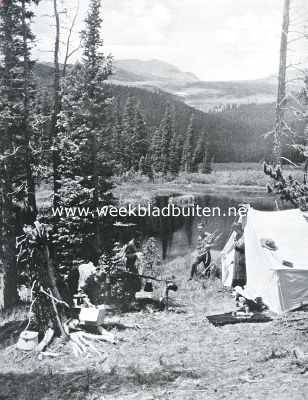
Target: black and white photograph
153 199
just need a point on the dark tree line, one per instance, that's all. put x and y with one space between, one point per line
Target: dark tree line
136 145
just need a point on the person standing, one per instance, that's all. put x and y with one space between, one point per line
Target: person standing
239 272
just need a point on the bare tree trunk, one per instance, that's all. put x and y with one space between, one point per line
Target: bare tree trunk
56 108
281 95
46 307
8 256
7 222
28 153
68 51
97 238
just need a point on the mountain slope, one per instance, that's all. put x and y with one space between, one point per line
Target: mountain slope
199 94
154 70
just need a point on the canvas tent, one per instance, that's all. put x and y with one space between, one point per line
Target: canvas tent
282 288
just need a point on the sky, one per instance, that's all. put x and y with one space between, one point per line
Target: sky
214 39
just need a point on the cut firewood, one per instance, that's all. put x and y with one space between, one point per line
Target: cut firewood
82 342
104 335
49 334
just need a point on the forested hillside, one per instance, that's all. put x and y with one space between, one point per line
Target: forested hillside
235 132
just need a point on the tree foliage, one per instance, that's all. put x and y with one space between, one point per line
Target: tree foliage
84 143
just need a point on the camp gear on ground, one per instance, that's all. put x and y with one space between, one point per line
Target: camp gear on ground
143 295
28 340
229 319
92 316
148 286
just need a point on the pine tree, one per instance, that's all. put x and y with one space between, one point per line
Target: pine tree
206 167
129 121
117 143
167 133
198 153
84 144
145 166
155 151
201 159
187 155
139 140
174 155
16 129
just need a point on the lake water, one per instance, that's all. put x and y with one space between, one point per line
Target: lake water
178 235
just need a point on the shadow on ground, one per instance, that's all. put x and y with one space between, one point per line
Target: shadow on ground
80 384
9 333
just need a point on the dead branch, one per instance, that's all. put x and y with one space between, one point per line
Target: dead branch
63 333
69 53
6 156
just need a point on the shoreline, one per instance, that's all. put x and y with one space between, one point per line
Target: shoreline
134 194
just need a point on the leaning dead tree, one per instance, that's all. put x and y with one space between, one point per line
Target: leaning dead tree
282 92
56 107
59 73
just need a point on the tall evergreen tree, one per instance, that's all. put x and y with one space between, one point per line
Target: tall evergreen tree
201 159
16 129
129 123
155 151
84 142
117 143
187 154
167 133
198 152
140 140
174 154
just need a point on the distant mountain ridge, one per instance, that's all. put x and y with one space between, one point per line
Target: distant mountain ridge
152 70
236 133
203 95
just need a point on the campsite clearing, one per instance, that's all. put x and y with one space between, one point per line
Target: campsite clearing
174 356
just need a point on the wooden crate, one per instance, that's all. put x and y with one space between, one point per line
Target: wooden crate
92 316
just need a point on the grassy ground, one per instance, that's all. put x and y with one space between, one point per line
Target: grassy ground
174 355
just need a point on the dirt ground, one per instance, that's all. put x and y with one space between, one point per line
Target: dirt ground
175 355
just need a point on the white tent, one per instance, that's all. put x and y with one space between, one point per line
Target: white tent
282 288
227 261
